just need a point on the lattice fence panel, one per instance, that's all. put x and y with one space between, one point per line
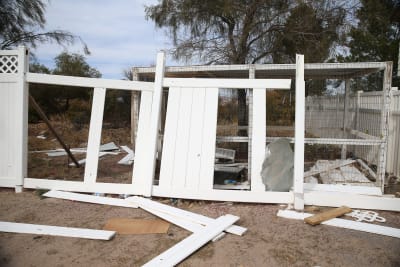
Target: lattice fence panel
8 64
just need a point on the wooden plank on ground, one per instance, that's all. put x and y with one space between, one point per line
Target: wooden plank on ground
90 199
24 228
127 226
327 215
348 224
185 248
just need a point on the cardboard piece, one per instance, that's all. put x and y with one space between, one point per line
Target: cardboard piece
126 226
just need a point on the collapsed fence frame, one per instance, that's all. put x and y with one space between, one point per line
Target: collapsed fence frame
345 71
150 120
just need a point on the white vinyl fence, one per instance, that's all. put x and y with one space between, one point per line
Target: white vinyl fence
325 119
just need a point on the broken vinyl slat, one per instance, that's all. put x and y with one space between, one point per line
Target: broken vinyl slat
128 159
187 215
25 228
185 248
90 199
359 226
101 154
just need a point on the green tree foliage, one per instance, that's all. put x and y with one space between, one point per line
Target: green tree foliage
249 31
23 22
56 99
376 37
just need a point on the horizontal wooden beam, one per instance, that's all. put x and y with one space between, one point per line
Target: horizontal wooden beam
228 83
88 82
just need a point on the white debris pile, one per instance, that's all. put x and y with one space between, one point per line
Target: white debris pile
337 172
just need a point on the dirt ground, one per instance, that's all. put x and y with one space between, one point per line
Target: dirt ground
270 241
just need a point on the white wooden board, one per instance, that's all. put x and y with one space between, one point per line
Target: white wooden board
348 224
96 122
183 249
189 139
24 228
90 198
180 213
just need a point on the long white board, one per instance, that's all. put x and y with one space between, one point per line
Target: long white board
25 228
183 249
180 213
90 199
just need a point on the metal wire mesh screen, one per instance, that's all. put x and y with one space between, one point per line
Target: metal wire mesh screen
346 123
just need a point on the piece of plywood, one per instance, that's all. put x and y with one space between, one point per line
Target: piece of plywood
348 224
327 215
90 198
183 249
25 228
126 226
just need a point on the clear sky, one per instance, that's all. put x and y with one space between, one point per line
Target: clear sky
116 32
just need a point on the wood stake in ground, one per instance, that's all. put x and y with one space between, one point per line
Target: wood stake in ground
327 215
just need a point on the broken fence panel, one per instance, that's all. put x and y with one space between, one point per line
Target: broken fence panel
185 248
24 228
348 224
90 199
186 215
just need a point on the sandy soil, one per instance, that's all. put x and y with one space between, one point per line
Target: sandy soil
270 241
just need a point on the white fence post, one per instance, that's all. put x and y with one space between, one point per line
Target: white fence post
21 116
387 86
151 153
299 135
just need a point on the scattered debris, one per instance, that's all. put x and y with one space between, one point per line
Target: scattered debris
327 215
326 165
127 226
224 155
366 215
277 168
225 174
367 168
24 228
359 226
61 152
128 159
338 172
